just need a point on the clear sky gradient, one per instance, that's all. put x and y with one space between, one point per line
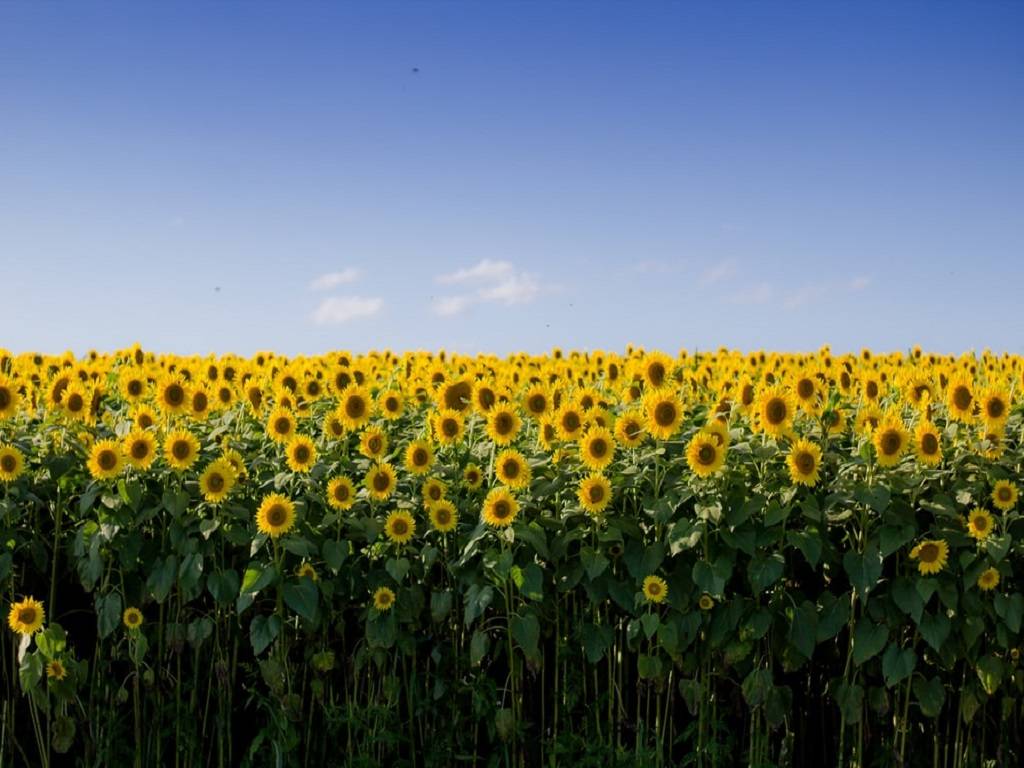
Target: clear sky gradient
498 176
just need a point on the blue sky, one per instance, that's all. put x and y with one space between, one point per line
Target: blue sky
498 176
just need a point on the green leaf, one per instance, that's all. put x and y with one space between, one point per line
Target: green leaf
531 583
648 666
850 699
998 546
897 664
440 605
737 514
907 598
756 687
758 624
30 672
650 622
302 597
763 571
526 632
809 544
893 537
990 672
52 641
593 561
868 639
223 586
864 570
257 577
803 629
108 613
1010 608
477 599
334 553
875 496
934 629
161 579
478 648
597 639
263 630
931 695
397 568
834 616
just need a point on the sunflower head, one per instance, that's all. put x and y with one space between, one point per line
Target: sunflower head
307 571
216 481
139 448
597 448
55 670
655 589
132 618
449 426
664 413
890 439
511 469
472 477
374 443
931 555
400 527
341 493
804 462
988 579
503 424
774 410
106 459
979 523
280 425
500 508
705 454
706 602
419 457
1004 495
928 444
301 454
629 429
444 517
391 404
594 493
383 599
181 449
275 516
12 463
27 616
380 481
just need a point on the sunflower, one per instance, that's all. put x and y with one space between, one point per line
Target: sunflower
199 403
391 404
537 401
704 454
656 369
655 589
629 429
594 493
26 617
979 523
12 463
500 508
457 395
928 444
835 421
374 443
449 426
181 448
472 477
994 437
333 426
75 402
1004 495
706 602
132 618
960 397
276 515
171 396
664 412
217 480
868 419
383 599
511 468
354 406
808 394
718 429
301 454
774 411
307 571
139 448
106 460
890 439
503 424
443 516
433 490
280 425
995 406
55 670
569 422
988 579
9 397
597 448
341 493
399 526
143 417
931 555
380 481
419 457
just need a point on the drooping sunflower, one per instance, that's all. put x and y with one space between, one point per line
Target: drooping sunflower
1004 495
380 481
994 404
664 412
12 463
704 454
443 516
181 449
597 448
399 526
276 515
655 589
341 493
132 618
391 404
928 444
55 669
301 454
804 462
931 555
960 397
383 599
139 449
374 443
354 406
891 440
979 523
216 481
511 469
472 477
774 411
449 426
10 397
307 571
988 579
171 395
629 429
26 617
419 457
106 460
500 508
594 493
280 425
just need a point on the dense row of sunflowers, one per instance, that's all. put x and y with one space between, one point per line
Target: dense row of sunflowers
623 558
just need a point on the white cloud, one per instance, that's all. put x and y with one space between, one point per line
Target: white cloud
754 294
496 281
334 279
483 270
340 309
718 273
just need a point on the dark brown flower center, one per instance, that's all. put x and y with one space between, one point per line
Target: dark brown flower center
450 427
511 468
665 414
995 408
776 411
706 454
27 615
598 448
929 553
891 442
596 494
804 462
805 388
8 463
501 509
215 482
504 423
355 407
282 425
929 444
399 527
301 454
107 459
140 449
381 482
277 515
174 395
181 449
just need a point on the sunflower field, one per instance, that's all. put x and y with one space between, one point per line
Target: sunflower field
578 559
